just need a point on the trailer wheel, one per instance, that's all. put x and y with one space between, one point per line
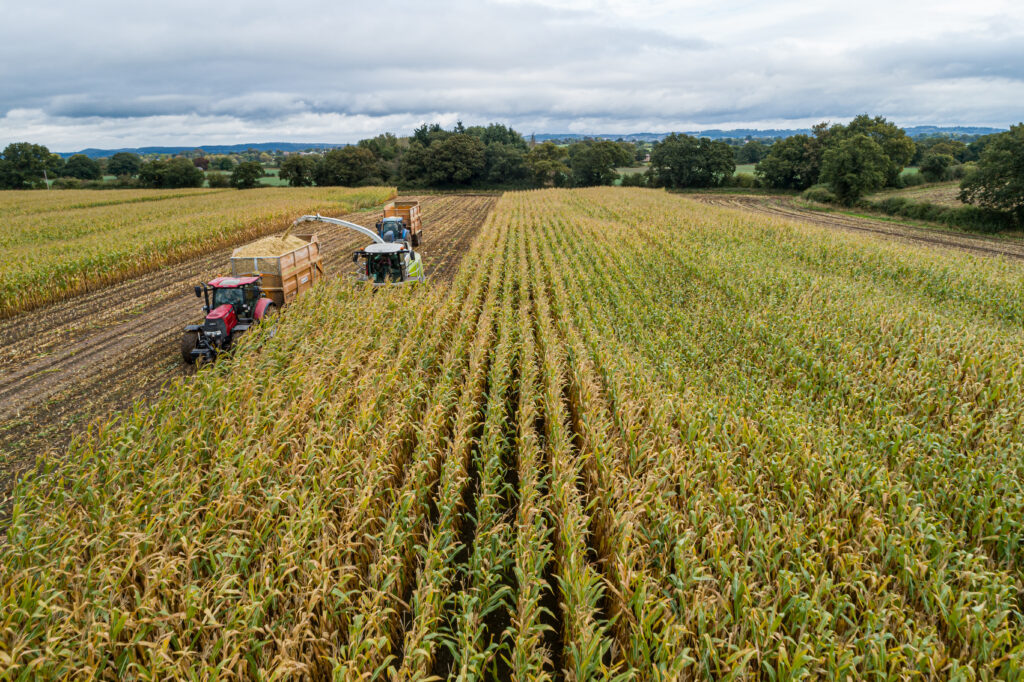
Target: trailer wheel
415 238
188 343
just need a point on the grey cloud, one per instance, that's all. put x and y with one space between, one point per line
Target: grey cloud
952 57
116 68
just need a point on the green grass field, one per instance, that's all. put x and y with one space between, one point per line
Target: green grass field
272 179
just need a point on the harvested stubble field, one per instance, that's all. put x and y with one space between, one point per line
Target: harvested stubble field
637 436
940 193
57 244
1008 245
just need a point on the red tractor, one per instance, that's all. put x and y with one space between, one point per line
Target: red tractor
233 304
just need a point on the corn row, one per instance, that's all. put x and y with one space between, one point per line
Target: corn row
532 628
585 636
482 604
432 599
372 629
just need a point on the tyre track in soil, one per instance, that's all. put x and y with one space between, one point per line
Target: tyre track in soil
786 208
63 366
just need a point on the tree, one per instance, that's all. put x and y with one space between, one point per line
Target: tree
935 166
684 161
791 163
413 166
456 160
55 166
124 163
897 147
856 166
593 162
547 164
151 173
998 182
426 135
297 170
218 180
22 165
82 167
752 152
182 173
347 166
246 175
170 174
225 163
938 145
384 147
977 148
496 132
504 163
201 162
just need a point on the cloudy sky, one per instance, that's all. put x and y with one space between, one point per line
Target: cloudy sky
120 74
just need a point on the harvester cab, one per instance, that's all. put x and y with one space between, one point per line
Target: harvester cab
391 261
232 306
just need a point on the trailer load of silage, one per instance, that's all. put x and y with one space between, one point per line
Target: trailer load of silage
269 246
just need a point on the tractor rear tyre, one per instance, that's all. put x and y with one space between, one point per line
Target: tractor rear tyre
188 343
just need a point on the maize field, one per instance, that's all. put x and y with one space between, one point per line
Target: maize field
57 244
636 438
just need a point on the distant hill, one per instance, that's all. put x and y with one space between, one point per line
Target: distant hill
928 131
714 134
210 148
754 133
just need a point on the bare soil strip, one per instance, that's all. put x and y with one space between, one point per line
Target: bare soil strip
786 207
63 366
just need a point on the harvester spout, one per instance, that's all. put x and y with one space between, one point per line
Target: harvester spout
344 223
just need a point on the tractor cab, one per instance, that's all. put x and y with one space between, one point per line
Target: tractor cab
233 305
392 229
390 262
241 293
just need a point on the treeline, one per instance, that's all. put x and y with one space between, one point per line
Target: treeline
30 166
474 156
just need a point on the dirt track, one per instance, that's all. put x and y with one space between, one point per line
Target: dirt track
787 207
65 365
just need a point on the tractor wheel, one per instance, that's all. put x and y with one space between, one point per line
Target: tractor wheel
188 343
269 312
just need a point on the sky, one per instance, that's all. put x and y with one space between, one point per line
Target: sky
124 74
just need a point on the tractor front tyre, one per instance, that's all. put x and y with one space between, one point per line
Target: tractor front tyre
188 344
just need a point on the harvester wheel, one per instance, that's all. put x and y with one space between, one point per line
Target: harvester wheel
188 344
